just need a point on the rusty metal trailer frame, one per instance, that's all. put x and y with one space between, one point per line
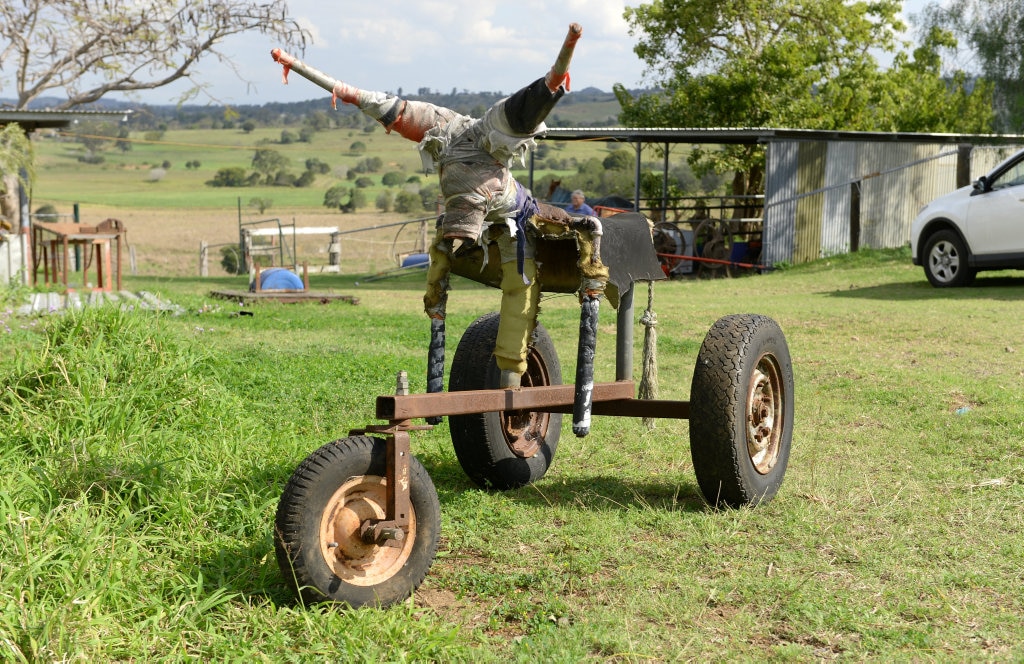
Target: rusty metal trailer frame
615 398
609 398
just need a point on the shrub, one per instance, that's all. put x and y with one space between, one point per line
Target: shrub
229 260
384 201
392 179
232 176
306 179
407 202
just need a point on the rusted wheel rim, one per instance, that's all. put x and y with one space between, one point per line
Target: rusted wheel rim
524 430
349 557
712 239
765 415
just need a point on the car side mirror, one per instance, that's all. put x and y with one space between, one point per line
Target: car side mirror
981 184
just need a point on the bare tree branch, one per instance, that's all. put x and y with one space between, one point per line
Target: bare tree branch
85 49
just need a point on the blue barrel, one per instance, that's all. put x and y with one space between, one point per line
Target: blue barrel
279 278
413 260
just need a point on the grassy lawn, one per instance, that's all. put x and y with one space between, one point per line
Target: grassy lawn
125 179
143 459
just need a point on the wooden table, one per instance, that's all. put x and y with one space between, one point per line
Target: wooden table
51 244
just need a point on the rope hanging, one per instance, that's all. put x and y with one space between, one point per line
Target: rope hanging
649 378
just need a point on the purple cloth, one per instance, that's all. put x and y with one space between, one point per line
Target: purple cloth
526 206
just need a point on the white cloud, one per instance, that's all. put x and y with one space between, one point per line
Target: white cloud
480 45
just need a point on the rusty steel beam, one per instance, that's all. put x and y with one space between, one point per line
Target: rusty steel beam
608 399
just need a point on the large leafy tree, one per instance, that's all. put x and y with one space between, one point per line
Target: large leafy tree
807 64
15 164
993 32
85 49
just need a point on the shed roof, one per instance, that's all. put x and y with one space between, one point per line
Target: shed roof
32 120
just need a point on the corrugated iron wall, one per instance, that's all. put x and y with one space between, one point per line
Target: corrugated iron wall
828 197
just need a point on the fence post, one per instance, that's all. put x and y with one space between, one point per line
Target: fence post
204 268
334 250
854 216
963 165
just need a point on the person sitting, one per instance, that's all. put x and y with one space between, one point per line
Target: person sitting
578 204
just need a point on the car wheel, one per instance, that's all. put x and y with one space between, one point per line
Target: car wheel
741 411
946 260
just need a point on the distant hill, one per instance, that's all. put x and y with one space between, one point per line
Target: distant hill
589 107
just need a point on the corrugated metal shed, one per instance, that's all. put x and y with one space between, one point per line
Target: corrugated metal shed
830 192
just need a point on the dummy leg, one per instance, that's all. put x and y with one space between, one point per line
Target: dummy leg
519 304
583 395
435 302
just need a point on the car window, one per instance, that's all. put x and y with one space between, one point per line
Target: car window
1010 178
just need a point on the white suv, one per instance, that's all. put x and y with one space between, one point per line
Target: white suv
980 227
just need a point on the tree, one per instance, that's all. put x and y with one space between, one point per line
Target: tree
85 49
232 176
269 163
806 64
385 200
16 166
619 159
407 202
96 135
335 196
392 179
260 204
316 166
994 31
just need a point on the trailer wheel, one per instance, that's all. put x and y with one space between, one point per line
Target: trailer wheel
741 411
316 532
503 449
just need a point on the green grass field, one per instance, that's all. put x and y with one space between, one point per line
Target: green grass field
125 179
144 456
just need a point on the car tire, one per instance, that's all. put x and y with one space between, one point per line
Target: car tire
741 411
946 260
505 449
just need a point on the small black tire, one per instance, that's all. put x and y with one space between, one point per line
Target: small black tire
669 241
503 449
316 532
946 260
741 411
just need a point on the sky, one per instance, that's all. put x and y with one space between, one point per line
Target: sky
475 45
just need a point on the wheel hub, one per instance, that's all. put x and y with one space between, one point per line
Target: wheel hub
945 261
524 430
342 544
764 415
